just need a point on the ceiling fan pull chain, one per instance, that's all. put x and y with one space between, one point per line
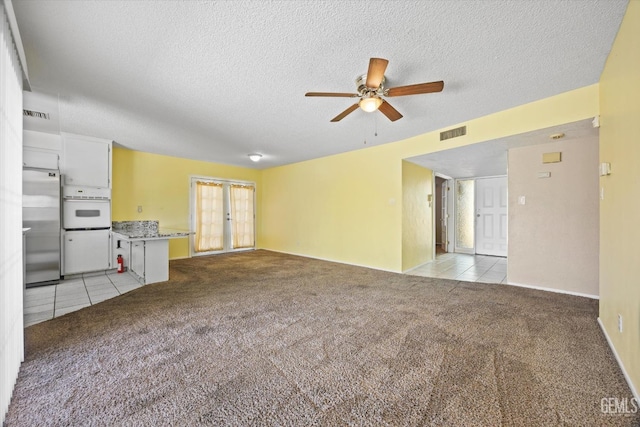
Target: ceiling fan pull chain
375 125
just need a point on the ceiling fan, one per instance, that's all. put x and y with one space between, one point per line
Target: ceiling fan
371 90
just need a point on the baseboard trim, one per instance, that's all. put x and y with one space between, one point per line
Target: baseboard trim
332 260
417 266
558 291
615 354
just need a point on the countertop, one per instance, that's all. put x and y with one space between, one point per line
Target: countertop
151 235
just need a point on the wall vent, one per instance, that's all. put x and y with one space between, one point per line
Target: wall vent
36 114
453 133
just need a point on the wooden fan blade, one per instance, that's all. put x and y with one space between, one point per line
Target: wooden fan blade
415 89
391 113
345 113
337 95
377 66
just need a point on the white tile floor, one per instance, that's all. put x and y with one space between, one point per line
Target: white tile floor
470 268
46 302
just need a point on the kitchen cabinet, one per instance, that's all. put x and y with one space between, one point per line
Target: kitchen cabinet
42 141
86 250
149 260
86 161
41 159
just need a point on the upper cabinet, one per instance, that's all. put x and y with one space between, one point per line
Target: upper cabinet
41 150
41 159
86 161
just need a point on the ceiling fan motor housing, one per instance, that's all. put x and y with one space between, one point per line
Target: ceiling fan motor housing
363 90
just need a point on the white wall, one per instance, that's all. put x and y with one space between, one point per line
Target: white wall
554 236
11 288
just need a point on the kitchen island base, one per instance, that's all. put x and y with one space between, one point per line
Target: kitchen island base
149 260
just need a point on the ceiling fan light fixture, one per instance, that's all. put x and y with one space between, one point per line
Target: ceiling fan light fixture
255 157
370 104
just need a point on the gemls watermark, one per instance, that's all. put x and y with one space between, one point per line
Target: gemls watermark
619 406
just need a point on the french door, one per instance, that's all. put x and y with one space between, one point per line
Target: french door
222 216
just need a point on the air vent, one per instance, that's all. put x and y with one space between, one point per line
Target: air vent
453 133
36 114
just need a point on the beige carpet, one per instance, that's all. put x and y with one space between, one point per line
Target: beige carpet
262 338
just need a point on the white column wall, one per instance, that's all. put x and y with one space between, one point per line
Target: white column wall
11 270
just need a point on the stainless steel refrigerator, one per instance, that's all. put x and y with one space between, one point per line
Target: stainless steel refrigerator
41 213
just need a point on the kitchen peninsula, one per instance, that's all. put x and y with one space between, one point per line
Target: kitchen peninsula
144 248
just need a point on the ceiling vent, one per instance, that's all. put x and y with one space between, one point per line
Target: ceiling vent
453 133
36 114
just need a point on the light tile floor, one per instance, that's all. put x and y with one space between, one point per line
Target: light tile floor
470 268
46 302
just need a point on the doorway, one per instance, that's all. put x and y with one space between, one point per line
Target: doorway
222 216
443 227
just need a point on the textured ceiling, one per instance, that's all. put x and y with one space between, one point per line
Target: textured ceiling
217 80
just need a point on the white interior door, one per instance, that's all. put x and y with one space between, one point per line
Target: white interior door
491 216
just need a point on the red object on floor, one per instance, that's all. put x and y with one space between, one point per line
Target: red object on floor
120 264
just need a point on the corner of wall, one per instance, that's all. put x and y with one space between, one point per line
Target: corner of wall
620 206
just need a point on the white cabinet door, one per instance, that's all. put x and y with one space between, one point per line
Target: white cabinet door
150 260
41 159
87 162
137 258
156 257
86 250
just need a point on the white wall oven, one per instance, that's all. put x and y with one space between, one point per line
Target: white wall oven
86 214
86 222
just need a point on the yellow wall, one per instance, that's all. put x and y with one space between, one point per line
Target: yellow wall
417 215
347 207
160 184
620 209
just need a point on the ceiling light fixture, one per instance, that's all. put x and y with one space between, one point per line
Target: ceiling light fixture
370 104
255 157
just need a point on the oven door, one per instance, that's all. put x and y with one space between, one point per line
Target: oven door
80 214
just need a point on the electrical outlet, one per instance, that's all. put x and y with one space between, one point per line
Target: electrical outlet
619 322
139 208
